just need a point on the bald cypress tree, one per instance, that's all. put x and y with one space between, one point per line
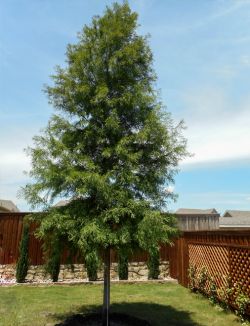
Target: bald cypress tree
110 147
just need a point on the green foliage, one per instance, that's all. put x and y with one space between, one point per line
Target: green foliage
92 262
227 295
123 264
192 270
111 147
153 265
212 294
156 225
23 260
202 280
53 252
242 301
199 280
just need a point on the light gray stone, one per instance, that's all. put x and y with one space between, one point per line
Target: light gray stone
137 271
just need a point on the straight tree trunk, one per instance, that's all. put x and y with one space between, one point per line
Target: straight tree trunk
106 292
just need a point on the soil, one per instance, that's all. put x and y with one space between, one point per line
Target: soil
116 319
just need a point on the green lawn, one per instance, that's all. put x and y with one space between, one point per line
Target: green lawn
161 304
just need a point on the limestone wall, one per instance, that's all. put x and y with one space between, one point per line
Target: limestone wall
137 271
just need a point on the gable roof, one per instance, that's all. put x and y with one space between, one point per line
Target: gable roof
240 214
8 206
233 218
194 211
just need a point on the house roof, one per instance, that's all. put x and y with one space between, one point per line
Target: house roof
233 218
194 211
240 214
235 221
8 206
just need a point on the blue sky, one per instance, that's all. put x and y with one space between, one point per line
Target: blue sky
202 59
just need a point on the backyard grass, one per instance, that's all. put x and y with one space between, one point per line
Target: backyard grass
161 304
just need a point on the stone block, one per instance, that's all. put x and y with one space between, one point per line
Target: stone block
68 276
143 272
29 277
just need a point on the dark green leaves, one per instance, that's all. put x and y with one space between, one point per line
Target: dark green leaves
110 149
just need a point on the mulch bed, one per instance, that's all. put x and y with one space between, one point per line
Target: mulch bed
94 319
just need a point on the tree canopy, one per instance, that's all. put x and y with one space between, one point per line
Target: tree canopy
110 148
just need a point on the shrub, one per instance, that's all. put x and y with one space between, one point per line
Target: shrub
226 295
202 280
192 278
23 260
53 261
123 264
242 301
153 265
92 263
213 295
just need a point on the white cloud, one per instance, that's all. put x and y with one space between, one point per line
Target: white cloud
217 129
12 165
228 10
220 10
13 160
225 9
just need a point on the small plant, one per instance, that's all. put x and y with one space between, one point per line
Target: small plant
123 264
225 293
213 295
23 260
92 262
202 280
53 262
153 265
242 301
192 278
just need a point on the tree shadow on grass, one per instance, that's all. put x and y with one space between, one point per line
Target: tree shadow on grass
156 314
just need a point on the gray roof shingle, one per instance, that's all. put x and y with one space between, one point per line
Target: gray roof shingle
235 218
234 213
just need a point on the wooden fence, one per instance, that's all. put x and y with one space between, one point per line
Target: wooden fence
11 225
223 253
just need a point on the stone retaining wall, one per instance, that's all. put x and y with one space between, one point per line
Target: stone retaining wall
137 271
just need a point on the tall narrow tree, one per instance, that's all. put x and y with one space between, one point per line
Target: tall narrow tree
111 148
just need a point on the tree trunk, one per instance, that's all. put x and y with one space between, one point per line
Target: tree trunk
106 292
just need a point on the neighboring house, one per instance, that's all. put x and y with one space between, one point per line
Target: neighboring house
235 219
7 206
197 219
